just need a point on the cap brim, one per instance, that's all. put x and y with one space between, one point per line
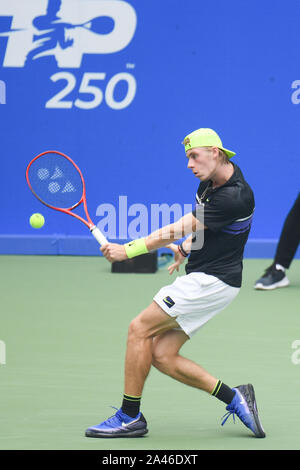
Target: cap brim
229 153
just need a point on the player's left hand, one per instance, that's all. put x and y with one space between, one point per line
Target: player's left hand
114 252
179 259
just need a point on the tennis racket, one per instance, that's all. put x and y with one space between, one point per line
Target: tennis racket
99 25
57 182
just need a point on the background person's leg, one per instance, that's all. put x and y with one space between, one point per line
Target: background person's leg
289 237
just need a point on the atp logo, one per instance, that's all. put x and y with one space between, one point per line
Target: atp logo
65 29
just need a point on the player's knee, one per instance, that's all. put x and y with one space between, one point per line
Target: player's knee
136 330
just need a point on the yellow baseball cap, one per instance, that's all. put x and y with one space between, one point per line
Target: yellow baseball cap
205 138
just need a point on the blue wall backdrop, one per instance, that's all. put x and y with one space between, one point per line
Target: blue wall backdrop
117 85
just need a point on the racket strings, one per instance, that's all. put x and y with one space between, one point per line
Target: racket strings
56 181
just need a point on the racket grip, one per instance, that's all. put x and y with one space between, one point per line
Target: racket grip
98 235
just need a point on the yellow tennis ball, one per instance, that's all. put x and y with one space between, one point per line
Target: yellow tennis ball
37 220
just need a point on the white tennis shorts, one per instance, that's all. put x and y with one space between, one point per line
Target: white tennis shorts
194 299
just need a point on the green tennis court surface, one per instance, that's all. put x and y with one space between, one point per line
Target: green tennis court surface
64 323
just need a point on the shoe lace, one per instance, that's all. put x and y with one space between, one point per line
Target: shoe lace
238 412
226 416
112 419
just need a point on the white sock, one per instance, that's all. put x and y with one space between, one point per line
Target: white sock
278 266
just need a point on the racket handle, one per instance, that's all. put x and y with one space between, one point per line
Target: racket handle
98 235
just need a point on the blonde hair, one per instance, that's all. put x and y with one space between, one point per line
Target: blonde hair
223 156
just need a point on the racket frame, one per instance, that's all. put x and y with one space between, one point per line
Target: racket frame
68 210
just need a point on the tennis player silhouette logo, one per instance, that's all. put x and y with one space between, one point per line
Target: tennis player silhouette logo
54 30
66 30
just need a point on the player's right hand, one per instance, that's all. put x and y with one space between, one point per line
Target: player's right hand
114 252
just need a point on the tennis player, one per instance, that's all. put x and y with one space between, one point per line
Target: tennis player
214 236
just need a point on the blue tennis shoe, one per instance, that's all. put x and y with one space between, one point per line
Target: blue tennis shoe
244 406
119 425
